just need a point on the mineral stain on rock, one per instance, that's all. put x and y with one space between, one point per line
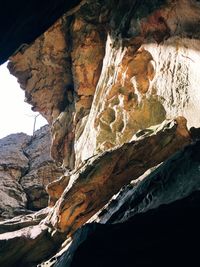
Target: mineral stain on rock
118 82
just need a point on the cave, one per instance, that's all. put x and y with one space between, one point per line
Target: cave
118 83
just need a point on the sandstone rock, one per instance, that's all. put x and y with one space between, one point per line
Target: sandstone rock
24 240
22 221
167 235
149 73
174 225
12 152
13 200
44 71
56 188
42 169
35 237
25 170
103 78
13 164
34 184
25 246
38 150
176 178
100 177
87 54
147 76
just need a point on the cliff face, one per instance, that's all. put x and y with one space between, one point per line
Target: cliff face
26 169
103 67
118 83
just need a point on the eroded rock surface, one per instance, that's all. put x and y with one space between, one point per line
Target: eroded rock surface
91 71
26 169
170 230
176 178
102 176
118 82
13 164
42 169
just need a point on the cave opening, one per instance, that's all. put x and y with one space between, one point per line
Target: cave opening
15 114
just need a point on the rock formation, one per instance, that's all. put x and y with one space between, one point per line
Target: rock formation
21 22
13 164
118 83
26 169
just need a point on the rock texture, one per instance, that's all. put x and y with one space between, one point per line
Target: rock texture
175 179
115 77
118 82
148 239
93 185
13 164
157 212
26 169
21 22
42 169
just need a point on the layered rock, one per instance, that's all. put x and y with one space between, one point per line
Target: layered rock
88 190
104 78
26 169
176 178
13 164
42 169
134 242
149 73
102 176
152 211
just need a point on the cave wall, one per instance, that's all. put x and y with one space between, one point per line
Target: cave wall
102 74
118 83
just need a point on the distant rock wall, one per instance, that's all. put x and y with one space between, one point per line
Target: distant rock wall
25 170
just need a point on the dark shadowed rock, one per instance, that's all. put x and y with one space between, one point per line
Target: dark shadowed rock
164 236
152 222
176 178
21 22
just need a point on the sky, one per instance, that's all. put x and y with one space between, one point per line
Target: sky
15 115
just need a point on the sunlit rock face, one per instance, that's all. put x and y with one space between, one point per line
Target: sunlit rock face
177 60
104 74
118 82
59 73
150 75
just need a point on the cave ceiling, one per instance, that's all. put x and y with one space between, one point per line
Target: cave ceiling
22 21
